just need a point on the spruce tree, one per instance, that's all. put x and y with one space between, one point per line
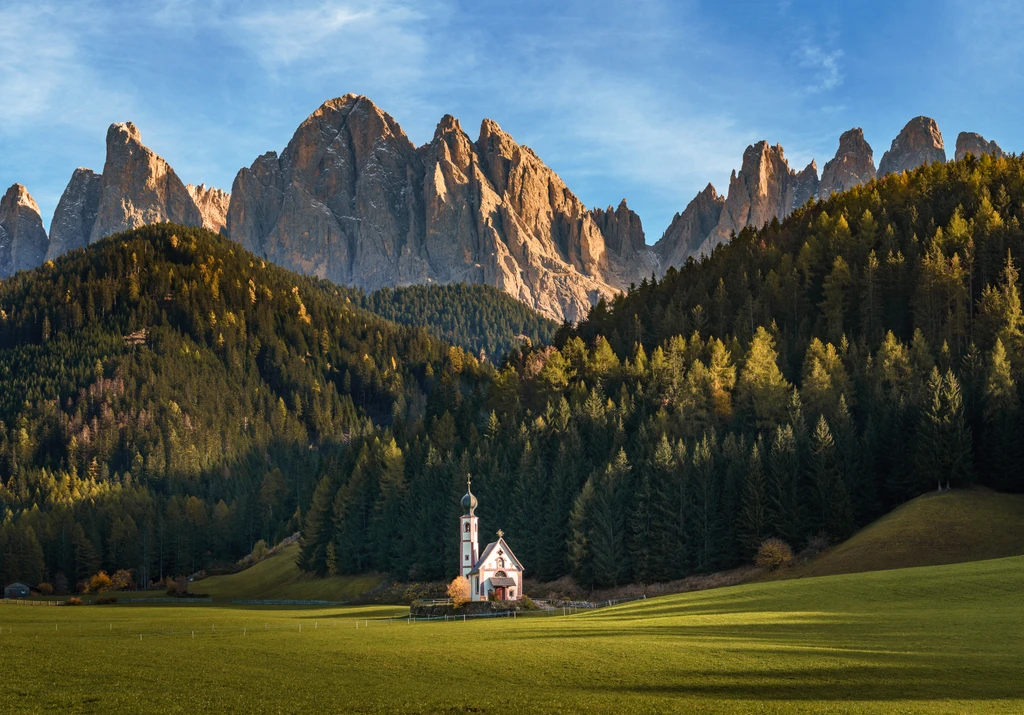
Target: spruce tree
752 522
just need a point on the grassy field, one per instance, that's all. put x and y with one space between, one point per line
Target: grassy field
951 527
277 577
940 639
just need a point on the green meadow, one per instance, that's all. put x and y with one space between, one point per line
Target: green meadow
936 639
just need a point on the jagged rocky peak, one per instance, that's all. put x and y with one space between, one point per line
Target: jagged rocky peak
351 199
622 229
212 204
805 185
690 228
852 165
138 187
75 215
764 188
975 144
919 143
23 241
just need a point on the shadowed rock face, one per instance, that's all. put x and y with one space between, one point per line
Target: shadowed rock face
23 241
689 229
212 204
138 188
351 199
75 216
971 143
919 143
852 165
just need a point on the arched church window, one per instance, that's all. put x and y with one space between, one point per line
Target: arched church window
467 527
500 574
501 562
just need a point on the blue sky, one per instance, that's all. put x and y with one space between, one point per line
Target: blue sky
644 99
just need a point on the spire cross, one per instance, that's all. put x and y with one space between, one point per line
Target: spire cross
469 480
500 533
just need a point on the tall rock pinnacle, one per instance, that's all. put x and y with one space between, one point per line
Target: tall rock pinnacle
23 241
919 143
852 165
765 188
138 187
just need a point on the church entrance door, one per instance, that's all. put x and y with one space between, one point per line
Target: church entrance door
499 593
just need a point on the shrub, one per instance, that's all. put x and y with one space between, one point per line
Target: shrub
99 583
73 601
176 586
773 554
45 589
527 603
816 544
458 591
106 600
259 551
122 581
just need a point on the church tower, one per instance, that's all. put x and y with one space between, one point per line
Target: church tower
468 532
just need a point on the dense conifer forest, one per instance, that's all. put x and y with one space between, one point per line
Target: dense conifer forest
168 399
480 318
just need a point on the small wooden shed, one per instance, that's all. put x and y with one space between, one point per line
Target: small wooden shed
16 590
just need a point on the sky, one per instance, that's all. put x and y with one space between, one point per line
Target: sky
647 100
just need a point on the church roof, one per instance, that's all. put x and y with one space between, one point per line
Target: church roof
491 547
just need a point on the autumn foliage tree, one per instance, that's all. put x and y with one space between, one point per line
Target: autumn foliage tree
459 591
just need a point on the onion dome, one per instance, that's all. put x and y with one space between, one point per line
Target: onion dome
469 501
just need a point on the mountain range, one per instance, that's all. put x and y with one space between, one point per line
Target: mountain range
353 200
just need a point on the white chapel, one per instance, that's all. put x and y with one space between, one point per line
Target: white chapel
495 571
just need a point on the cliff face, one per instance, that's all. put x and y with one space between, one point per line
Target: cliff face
75 216
852 165
212 204
971 143
351 199
764 188
138 187
919 143
689 229
23 241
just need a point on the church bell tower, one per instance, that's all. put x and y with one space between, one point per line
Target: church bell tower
469 552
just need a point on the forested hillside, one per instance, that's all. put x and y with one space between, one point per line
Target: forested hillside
168 399
802 380
479 318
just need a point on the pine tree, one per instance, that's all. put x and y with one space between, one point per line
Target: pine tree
785 505
705 519
317 528
831 513
1003 452
762 391
752 522
607 536
944 443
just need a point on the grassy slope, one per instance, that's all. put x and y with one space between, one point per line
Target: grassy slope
952 527
277 577
937 639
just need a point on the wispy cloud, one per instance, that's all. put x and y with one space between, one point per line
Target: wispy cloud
824 67
43 66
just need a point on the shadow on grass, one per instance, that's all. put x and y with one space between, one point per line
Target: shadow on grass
893 681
